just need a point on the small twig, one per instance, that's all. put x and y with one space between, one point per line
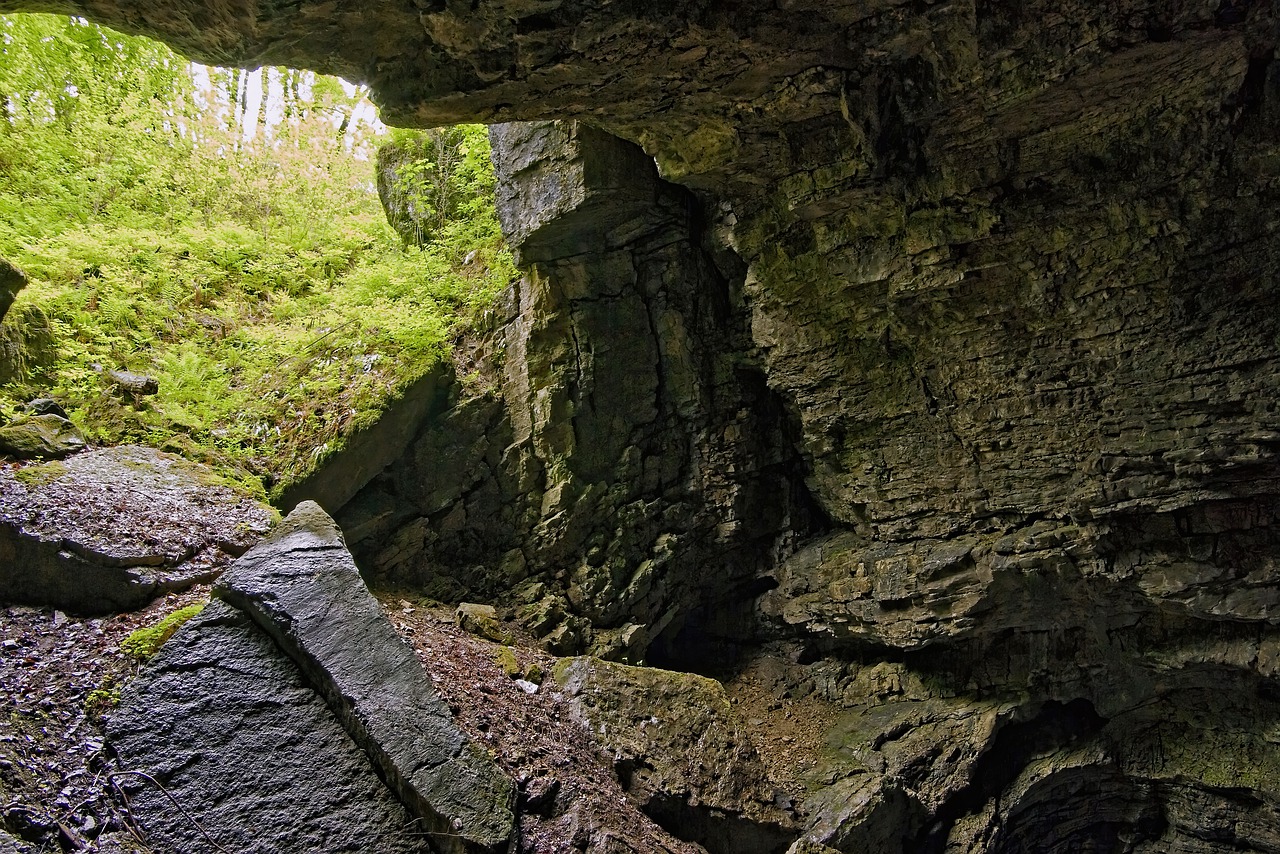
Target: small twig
153 781
126 819
314 342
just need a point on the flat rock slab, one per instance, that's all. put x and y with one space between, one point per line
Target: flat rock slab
302 587
110 529
226 723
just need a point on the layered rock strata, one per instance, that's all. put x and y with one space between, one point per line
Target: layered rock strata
1003 278
629 465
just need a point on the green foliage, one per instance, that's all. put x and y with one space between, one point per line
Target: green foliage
143 643
434 179
101 700
256 280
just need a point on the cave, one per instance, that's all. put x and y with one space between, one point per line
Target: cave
931 348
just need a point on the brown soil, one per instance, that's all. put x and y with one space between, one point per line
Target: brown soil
788 733
568 789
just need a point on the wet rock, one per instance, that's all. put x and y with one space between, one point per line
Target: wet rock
302 588
112 528
224 721
681 751
41 437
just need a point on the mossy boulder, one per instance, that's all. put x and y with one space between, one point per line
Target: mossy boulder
41 437
681 751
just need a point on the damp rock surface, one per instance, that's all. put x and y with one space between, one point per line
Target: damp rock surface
226 723
302 588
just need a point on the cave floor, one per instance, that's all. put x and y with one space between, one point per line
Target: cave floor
59 675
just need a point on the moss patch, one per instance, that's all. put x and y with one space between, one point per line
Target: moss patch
146 642
39 475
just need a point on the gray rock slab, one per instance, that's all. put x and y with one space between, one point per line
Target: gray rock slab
302 586
226 723
110 529
9 845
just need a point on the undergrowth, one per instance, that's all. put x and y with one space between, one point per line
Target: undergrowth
259 284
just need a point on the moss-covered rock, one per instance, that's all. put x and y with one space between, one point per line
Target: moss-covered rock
680 750
12 280
41 437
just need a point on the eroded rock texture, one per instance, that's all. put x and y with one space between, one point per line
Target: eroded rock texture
629 465
226 724
965 344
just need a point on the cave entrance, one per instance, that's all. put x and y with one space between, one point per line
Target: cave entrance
209 268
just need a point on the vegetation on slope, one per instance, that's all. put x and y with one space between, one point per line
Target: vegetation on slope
173 223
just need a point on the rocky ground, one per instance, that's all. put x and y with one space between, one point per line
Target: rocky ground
59 676
493 690
504 697
63 789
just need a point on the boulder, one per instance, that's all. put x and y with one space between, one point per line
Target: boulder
110 529
681 751
41 437
302 588
223 720
44 406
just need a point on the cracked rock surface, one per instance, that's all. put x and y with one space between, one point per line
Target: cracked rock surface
928 350
227 725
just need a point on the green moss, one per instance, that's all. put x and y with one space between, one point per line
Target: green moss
505 656
99 701
39 475
146 642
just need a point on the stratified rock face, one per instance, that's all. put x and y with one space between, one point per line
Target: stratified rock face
996 281
635 465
